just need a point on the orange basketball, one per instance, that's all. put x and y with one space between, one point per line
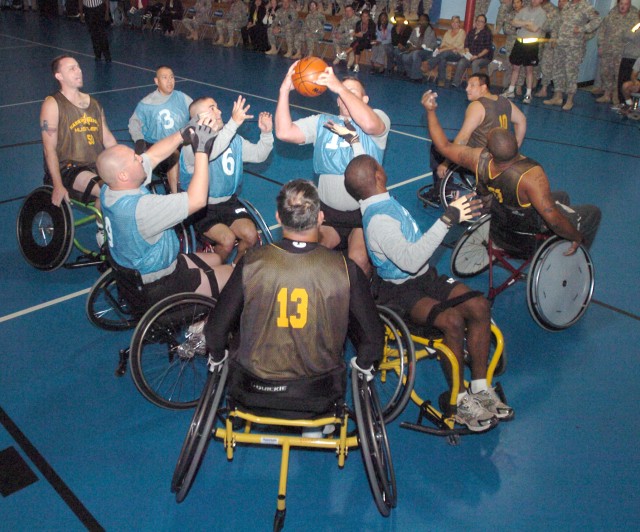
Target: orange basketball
306 73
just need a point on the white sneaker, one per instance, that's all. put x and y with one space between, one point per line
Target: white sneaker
490 401
356 68
472 414
341 56
509 94
527 99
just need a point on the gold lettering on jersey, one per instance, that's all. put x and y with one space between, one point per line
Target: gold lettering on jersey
497 193
298 319
85 124
504 123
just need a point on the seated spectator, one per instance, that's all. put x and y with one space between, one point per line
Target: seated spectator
254 34
225 219
285 25
139 224
478 50
234 19
450 50
365 32
201 16
400 254
137 12
420 47
312 31
172 11
630 87
293 304
272 7
381 48
399 38
343 35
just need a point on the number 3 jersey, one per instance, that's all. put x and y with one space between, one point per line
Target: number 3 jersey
79 132
158 119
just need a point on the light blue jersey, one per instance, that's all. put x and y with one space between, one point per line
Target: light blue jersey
225 171
161 120
337 153
387 269
123 234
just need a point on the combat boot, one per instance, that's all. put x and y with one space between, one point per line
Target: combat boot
556 100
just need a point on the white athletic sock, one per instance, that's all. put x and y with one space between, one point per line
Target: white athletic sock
479 385
512 88
528 92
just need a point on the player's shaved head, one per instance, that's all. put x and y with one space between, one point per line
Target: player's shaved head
111 161
502 144
360 177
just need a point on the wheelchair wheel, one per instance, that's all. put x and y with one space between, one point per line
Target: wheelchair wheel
168 351
471 256
263 229
199 433
456 182
374 444
559 288
105 307
45 232
396 372
187 237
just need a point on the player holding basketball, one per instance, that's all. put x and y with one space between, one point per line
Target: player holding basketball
342 227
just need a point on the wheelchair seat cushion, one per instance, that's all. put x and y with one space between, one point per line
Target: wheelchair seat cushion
290 399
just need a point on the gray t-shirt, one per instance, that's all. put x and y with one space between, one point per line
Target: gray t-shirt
536 15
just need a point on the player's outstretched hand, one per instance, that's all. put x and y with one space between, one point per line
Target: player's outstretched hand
347 132
203 138
240 110
265 122
462 209
429 100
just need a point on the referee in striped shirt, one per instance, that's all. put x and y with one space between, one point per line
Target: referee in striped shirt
96 15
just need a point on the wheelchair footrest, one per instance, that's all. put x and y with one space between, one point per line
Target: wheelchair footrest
121 369
82 261
429 196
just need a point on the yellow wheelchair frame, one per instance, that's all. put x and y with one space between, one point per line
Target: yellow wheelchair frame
370 435
396 376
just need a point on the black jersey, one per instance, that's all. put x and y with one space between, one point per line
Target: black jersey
497 113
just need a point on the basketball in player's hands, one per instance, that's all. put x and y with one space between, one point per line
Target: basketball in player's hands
306 73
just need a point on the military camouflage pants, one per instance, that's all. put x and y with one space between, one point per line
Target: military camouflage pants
566 67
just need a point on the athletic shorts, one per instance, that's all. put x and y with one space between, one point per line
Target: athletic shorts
182 279
524 54
405 296
224 213
343 222
69 173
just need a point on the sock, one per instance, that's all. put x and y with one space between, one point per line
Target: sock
461 396
528 92
479 385
512 88
629 101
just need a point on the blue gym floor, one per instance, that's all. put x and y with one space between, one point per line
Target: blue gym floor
102 456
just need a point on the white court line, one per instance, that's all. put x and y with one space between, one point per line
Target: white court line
44 305
180 78
86 291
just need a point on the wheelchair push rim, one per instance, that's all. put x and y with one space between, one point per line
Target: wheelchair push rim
457 182
106 308
168 359
559 287
45 232
471 255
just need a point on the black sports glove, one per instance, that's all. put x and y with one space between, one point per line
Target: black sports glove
202 139
188 130
347 132
461 210
140 147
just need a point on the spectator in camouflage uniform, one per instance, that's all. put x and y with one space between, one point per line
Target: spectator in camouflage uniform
285 24
482 6
547 51
312 30
231 23
577 19
344 32
201 16
611 39
630 53
506 13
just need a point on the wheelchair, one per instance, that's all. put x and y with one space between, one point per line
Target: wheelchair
559 288
243 426
396 375
457 182
46 233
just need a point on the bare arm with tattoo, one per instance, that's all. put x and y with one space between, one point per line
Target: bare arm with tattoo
49 129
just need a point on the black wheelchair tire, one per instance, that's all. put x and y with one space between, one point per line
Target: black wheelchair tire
456 180
374 444
53 224
199 434
105 308
471 255
160 372
394 388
